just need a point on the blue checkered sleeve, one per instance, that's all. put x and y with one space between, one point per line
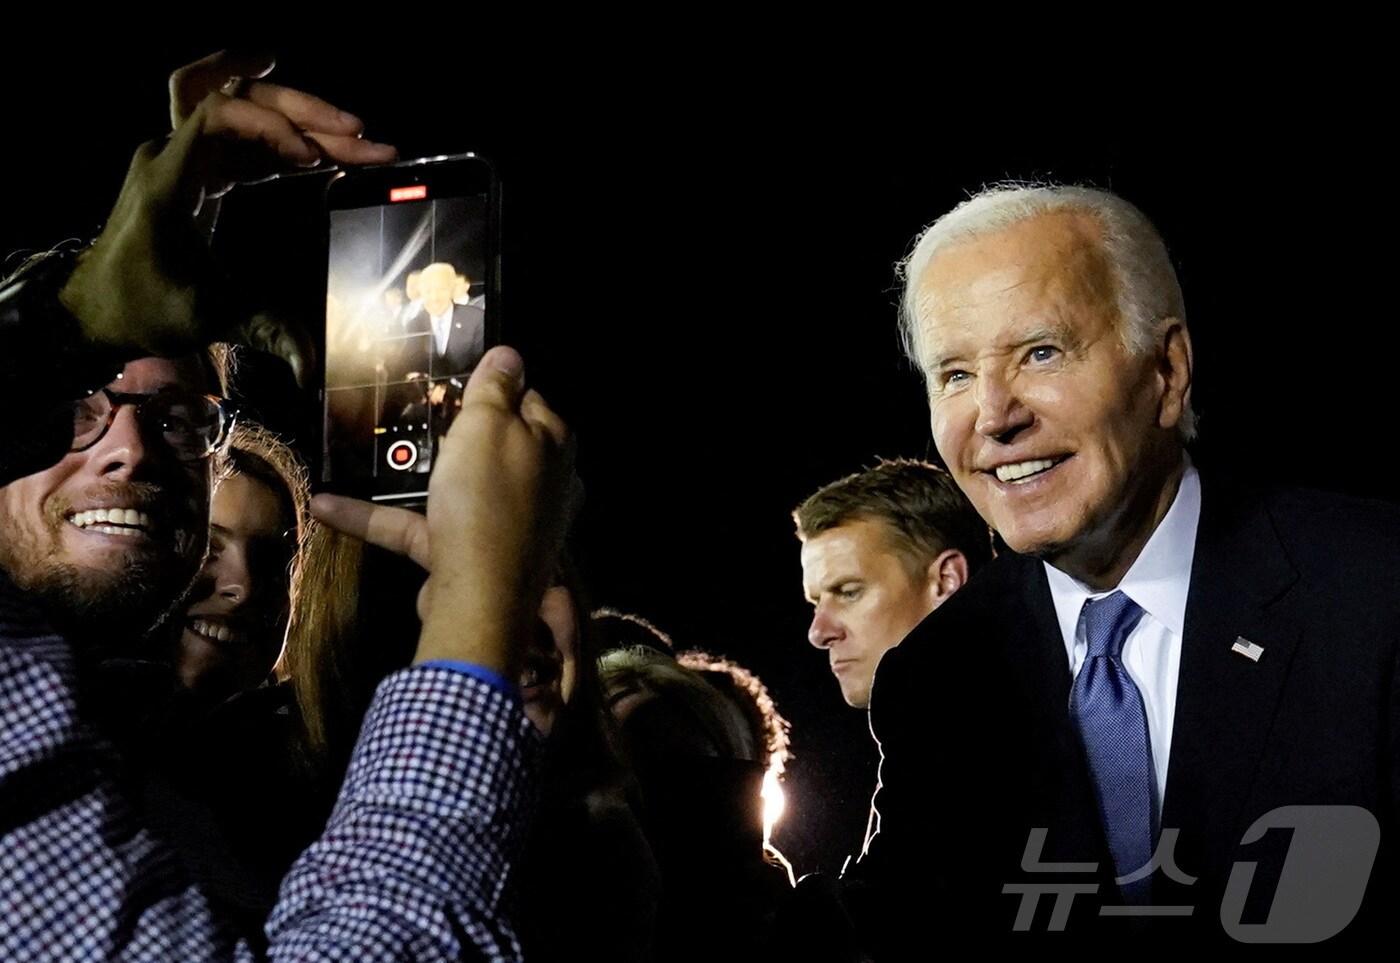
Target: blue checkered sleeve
416 857
413 864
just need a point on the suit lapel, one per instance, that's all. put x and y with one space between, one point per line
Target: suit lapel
1226 701
1049 661
1061 790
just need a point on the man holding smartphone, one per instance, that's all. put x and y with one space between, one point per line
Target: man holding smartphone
82 878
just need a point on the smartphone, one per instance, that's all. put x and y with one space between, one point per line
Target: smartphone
413 300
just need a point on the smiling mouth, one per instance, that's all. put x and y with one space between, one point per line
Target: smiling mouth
1021 472
127 522
215 631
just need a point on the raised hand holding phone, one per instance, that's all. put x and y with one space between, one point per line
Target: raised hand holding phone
498 505
148 284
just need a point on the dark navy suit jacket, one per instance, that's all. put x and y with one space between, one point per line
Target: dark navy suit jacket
978 748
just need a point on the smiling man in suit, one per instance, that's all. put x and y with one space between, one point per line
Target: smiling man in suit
1159 661
458 329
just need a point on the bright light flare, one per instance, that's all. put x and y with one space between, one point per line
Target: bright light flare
774 803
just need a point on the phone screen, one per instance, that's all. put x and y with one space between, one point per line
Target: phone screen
408 291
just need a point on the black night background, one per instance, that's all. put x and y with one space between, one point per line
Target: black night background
699 271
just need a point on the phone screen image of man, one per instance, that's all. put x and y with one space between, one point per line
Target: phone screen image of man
405 326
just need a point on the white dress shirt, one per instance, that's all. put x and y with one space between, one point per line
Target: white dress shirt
1158 582
442 329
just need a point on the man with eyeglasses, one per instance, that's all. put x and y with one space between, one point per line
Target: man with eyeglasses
111 535
104 499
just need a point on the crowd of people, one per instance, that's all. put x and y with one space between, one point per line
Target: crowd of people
1090 670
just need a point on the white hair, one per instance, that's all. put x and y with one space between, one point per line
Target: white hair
1144 280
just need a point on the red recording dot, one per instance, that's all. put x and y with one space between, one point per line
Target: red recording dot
402 455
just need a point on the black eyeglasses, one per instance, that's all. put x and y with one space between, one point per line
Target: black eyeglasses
193 425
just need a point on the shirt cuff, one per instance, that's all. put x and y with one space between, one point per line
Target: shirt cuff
489 676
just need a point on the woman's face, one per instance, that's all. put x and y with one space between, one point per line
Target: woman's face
233 629
551 664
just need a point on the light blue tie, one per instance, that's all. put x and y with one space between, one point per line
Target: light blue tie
1112 721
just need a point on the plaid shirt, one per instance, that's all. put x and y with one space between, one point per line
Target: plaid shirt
412 865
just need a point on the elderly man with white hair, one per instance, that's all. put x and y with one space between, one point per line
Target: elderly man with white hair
1172 680
440 308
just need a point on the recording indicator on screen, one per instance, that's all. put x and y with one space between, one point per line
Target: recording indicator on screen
402 455
417 192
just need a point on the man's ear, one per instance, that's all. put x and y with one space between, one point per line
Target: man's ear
1174 368
946 574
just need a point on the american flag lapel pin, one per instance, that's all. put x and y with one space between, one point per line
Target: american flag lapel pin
1247 648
